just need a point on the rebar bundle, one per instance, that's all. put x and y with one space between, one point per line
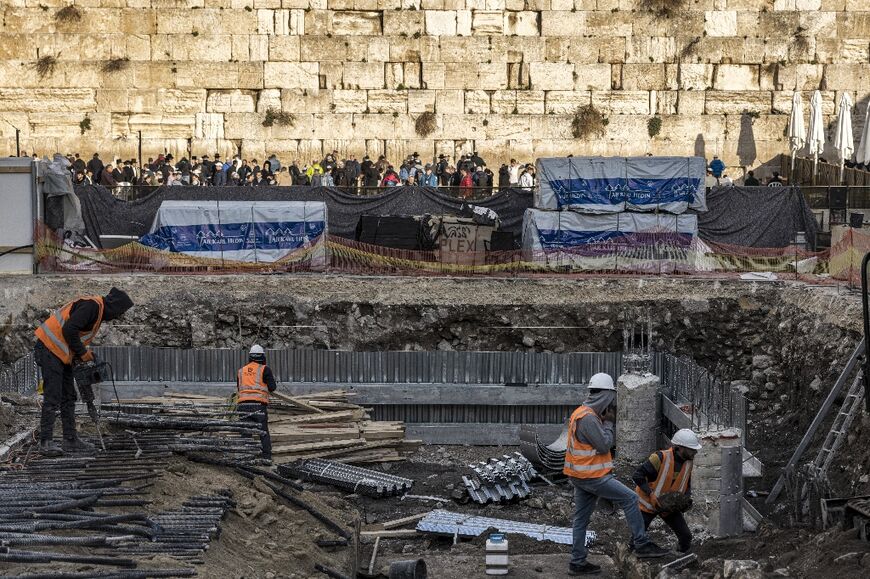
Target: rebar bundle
353 478
499 480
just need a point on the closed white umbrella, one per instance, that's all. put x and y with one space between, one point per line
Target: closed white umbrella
844 142
797 131
816 134
863 153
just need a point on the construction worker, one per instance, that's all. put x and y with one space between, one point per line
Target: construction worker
589 466
62 343
667 471
255 381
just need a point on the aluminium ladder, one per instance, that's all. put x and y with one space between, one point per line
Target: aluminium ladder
840 428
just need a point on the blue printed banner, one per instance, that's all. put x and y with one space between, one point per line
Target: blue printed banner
614 184
234 236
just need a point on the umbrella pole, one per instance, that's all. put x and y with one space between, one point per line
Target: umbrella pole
842 170
791 174
815 165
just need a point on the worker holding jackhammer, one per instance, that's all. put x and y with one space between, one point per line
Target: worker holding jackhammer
589 466
61 347
664 485
254 383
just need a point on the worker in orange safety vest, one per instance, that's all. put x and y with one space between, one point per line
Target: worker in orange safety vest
254 383
589 466
667 471
62 343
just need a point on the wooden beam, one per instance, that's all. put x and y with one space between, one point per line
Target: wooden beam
404 521
297 402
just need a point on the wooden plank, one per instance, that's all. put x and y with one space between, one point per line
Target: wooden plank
342 416
675 414
396 533
403 521
308 447
297 402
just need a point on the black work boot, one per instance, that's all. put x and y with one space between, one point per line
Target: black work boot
650 551
75 444
586 568
49 448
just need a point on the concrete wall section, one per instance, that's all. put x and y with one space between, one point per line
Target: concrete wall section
502 76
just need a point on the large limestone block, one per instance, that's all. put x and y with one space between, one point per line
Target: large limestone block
111 100
77 100
421 101
449 101
645 77
848 77
503 102
695 76
609 24
636 418
258 47
230 101
720 23
321 48
440 22
622 102
530 102
853 24
592 76
507 127
524 23
563 23
304 100
394 75
461 126
357 23
408 22
782 101
517 49
487 22
141 101
794 77
651 49
413 72
209 126
318 22
284 48
331 75
464 50
463 22
476 102
292 75
492 76
173 100
690 103
410 49
350 101
164 126
565 102
269 98
736 102
736 77
243 126
552 75
388 101
458 75
363 75
433 75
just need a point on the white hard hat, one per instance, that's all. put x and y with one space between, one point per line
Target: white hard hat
257 349
685 437
601 381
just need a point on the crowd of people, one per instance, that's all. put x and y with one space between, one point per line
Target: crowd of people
469 174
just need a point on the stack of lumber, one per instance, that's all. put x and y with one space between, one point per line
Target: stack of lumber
321 425
327 425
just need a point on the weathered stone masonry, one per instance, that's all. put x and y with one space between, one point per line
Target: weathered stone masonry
502 76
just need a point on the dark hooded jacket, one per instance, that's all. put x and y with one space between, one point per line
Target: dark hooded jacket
84 314
592 430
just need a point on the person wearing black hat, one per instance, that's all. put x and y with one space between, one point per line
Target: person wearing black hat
441 168
62 344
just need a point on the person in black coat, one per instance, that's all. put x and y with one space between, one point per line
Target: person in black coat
504 177
95 166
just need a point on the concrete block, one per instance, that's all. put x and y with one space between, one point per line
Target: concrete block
440 22
552 75
292 75
636 420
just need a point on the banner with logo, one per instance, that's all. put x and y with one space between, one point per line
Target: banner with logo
615 184
248 231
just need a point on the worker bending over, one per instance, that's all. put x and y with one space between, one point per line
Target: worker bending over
254 382
62 343
589 466
668 471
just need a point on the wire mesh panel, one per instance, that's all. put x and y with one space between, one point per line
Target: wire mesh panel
21 376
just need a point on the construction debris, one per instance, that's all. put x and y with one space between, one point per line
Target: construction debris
459 524
548 456
320 425
352 478
499 480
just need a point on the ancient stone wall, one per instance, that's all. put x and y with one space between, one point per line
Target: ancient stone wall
503 77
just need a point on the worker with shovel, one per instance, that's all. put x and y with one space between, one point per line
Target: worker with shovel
61 349
255 381
589 466
663 485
